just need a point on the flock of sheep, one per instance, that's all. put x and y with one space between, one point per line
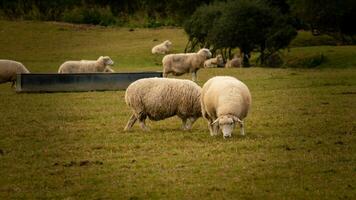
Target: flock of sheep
223 101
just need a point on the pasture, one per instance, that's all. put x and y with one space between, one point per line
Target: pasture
300 138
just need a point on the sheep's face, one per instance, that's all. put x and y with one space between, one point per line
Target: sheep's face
107 60
205 52
168 43
227 125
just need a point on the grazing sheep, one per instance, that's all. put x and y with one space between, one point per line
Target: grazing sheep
87 66
218 61
225 101
9 70
235 62
160 98
182 63
162 48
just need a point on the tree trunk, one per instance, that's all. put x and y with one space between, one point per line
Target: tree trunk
246 59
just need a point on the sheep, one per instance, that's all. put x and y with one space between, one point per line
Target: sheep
214 62
161 98
225 101
235 62
87 66
179 64
162 48
9 70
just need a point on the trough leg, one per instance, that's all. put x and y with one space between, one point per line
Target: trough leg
130 123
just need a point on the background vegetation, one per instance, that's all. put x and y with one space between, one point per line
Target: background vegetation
300 141
228 27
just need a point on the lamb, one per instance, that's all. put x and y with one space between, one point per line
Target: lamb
214 62
162 48
9 70
235 62
179 64
161 98
87 66
225 101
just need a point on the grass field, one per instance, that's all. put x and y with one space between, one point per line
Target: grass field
300 141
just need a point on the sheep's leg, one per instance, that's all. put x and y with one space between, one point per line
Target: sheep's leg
242 130
141 121
184 124
216 129
189 123
165 74
130 123
192 121
194 76
143 125
213 128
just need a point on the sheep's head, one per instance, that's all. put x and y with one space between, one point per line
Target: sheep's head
219 60
227 124
106 60
205 52
168 43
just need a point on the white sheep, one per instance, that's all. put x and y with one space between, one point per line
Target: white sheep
87 66
160 98
225 101
235 62
218 61
162 48
179 64
9 70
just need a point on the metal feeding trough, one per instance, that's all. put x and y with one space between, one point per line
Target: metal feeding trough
78 82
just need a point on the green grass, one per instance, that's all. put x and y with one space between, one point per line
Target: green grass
300 141
305 38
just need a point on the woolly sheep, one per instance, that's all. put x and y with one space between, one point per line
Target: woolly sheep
9 70
162 48
160 98
214 62
179 64
225 101
87 66
235 62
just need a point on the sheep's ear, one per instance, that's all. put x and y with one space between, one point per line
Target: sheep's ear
236 119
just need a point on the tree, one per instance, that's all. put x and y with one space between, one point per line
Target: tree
246 24
335 18
200 23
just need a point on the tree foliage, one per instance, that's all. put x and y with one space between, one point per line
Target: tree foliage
152 10
245 24
332 17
